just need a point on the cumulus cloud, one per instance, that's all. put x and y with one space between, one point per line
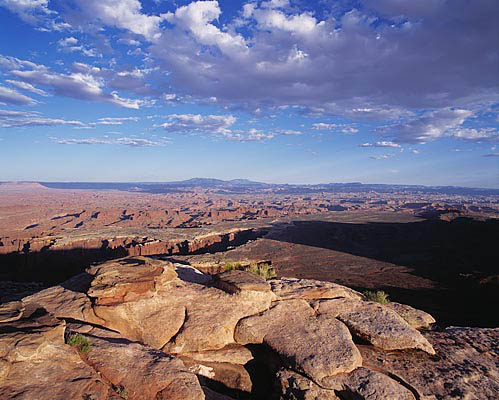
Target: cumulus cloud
18 119
432 125
122 14
28 10
84 83
188 123
380 144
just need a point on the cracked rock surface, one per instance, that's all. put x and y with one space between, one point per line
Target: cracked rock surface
158 331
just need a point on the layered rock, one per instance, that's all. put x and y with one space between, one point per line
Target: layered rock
162 331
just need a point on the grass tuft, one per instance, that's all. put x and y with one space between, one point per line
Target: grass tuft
378 296
80 342
262 269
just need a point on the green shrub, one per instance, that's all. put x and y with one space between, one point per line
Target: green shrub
121 391
378 296
262 269
80 342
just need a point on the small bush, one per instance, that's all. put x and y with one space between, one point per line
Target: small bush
80 342
262 269
378 296
121 391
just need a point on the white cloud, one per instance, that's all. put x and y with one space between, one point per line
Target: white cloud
27 86
187 123
430 126
343 128
11 96
380 144
123 141
28 10
115 121
85 83
17 119
381 157
123 14
491 155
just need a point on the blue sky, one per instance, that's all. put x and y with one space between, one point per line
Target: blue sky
378 91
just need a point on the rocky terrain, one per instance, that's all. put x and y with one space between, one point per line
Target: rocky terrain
362 240
143 328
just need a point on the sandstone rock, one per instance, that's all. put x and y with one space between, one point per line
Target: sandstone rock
142 371
375 323
11 311
63 303
190 274
309 289
293 386
416 318
232 353
37 364
235 281
128 279
232 376
212 315
153 320
465 365
319 347
365 384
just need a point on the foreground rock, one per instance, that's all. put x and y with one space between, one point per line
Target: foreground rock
35 363
465 366
317 347
155 330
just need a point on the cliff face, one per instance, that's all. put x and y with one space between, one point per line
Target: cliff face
148 329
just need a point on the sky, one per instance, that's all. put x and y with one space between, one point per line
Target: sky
278 91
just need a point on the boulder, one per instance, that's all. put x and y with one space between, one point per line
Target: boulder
416 318
235 281
63 303
465 365
232 353
139 370
365 384
318 347
37 364
309 289
11 311
376 324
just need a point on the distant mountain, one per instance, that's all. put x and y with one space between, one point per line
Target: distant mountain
248 186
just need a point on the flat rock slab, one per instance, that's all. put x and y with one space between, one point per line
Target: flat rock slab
309 289
235 281
418 319
11 311
365 384
465 365
128 279
141 370
376 324
211 314
63 303
37 364
318 347
232 353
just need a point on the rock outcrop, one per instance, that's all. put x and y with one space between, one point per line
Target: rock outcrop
157 330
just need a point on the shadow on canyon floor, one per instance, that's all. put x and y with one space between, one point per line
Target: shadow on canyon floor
459 256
